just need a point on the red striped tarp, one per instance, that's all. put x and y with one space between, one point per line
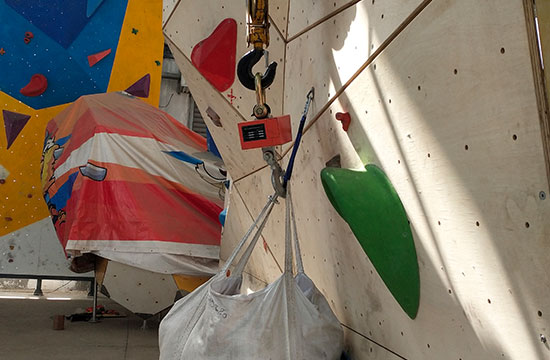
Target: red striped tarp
111 186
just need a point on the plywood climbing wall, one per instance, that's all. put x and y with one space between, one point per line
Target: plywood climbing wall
445 97
32 43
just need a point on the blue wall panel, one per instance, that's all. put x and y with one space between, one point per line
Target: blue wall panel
67 70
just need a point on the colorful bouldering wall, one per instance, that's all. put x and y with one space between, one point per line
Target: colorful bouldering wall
80 47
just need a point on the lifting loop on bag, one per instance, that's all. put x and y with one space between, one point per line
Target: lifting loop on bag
264 214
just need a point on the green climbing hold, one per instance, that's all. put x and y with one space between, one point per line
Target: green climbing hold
370 205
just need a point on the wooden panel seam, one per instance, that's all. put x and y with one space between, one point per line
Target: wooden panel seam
287 21
274 24
373 341
170 16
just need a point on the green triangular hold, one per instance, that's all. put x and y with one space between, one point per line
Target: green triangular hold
370 205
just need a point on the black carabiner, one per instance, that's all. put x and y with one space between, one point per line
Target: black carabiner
244 70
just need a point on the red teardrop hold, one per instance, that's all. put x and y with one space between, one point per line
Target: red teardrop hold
36 86
214 56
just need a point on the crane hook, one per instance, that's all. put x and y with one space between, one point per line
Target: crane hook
245 74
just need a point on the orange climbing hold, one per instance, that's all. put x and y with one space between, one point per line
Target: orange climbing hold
97 57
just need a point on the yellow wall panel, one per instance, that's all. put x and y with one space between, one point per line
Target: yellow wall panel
140 46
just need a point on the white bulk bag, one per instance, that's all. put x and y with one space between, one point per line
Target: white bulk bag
288 319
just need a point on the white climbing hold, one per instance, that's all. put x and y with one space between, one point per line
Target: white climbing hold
4 173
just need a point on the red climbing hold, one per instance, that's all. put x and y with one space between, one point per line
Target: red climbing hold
13 124
141 87
2 51
28 36
36 86
95 58
214 56
345 118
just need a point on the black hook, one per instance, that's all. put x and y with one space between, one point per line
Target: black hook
244 70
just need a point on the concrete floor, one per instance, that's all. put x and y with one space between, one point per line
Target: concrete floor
26 330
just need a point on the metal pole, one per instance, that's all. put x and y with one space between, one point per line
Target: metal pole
38 290
91 289
94 318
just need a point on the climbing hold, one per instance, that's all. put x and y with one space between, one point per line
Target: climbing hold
95 58
2 51
92 6
367 201
13 124
345 118
141 87
134 31
157 62
214 56
36 86
4 173
212 115
28 36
